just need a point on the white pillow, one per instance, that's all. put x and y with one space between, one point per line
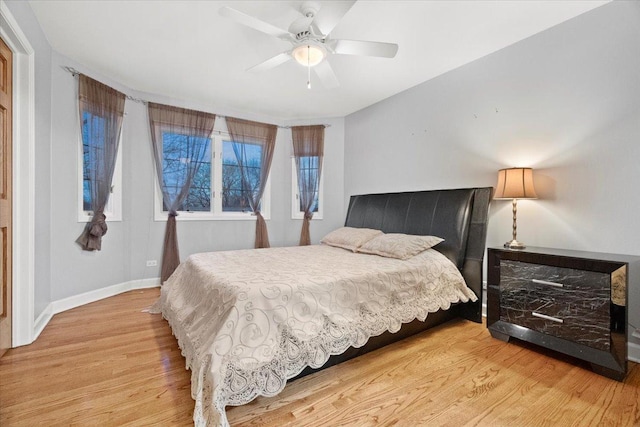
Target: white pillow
350 238
396 245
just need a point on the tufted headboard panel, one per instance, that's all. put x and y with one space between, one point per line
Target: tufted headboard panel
459 216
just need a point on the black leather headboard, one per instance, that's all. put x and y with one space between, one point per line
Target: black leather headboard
458 216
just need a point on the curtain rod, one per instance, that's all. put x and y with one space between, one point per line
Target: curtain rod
75 72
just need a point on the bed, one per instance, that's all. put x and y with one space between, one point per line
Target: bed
249 321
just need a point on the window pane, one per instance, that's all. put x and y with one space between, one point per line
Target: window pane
199 197
309 171
179 154
92 147
237 192
86 195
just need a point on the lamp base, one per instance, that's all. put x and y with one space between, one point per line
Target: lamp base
514 244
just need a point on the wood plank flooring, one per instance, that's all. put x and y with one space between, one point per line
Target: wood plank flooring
110 364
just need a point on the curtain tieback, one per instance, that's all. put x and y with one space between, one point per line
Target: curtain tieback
173 213
308 215
98 224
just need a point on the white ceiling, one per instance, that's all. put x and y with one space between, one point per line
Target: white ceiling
186 50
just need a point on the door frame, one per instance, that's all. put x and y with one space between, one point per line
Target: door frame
23 177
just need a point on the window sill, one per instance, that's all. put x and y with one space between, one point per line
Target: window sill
193 216
83 218
300 215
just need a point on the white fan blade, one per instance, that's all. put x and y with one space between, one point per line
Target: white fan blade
330 15
326 75
365 48
254 23
271 63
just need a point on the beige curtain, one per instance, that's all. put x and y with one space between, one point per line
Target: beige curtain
193 128
101 111
308 150
248 132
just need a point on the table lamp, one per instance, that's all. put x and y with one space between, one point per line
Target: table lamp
515 183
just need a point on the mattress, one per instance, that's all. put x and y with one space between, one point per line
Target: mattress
248 320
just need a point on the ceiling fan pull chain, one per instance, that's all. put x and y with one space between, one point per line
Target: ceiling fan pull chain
308 67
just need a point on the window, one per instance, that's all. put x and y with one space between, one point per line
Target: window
309 165
217 191
92 141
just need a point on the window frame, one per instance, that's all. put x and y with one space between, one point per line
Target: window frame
296 213
113 210
176 130
215 213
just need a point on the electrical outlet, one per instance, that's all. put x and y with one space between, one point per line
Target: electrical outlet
152 263
636 333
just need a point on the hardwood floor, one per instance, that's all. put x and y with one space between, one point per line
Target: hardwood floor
109 364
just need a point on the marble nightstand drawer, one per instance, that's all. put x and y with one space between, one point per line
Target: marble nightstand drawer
568 301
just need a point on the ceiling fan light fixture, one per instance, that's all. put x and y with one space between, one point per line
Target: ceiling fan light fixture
309 54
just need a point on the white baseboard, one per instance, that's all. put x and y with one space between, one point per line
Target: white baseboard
68 303
42 321
633 352
55 307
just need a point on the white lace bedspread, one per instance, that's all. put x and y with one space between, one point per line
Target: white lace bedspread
248 320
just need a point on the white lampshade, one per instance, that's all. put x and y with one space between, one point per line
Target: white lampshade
309 54
515 183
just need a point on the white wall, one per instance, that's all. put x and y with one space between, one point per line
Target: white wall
565 102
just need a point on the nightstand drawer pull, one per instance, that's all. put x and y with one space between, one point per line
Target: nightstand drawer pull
544 282
544 316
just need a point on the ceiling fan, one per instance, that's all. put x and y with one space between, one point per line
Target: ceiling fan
310 38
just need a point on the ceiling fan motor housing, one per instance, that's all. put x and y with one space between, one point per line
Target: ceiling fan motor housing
302 28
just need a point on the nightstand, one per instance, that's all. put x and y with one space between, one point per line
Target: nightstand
573 302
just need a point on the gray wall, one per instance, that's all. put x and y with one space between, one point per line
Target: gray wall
565 102
138 238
